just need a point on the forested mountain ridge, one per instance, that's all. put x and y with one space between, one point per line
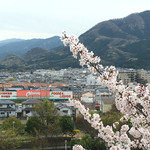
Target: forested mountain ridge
121 42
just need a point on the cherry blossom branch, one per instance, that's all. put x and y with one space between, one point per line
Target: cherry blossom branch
109 76
135 104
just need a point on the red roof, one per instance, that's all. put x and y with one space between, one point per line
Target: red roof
7 85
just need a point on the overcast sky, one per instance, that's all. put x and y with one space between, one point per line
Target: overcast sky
28 19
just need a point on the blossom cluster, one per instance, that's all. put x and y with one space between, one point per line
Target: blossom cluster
115 140
78 147
133 103
78 49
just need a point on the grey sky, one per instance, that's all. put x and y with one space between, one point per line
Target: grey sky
45 18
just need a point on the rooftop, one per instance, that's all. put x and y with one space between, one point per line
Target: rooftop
6 102
31 101
108 100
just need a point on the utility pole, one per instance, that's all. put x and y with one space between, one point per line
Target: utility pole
13 124
65 144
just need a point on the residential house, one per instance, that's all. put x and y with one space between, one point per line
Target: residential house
87 97
88 100
28 107
107 103
7 108
65 109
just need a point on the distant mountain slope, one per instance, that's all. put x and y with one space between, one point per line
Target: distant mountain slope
4 42
22 47
121 42
38 58
12 62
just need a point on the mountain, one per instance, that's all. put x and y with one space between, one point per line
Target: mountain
121 42
38 58
4 42
21 47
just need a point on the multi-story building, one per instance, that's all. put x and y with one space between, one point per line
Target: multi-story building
131 75
127 75
142 76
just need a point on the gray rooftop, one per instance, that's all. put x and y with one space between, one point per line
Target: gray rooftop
63 105
31 101
7 109
108 100
6 102
28 109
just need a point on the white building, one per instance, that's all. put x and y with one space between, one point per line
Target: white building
87 97
91 80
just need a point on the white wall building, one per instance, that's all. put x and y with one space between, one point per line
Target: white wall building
87 97
91 80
